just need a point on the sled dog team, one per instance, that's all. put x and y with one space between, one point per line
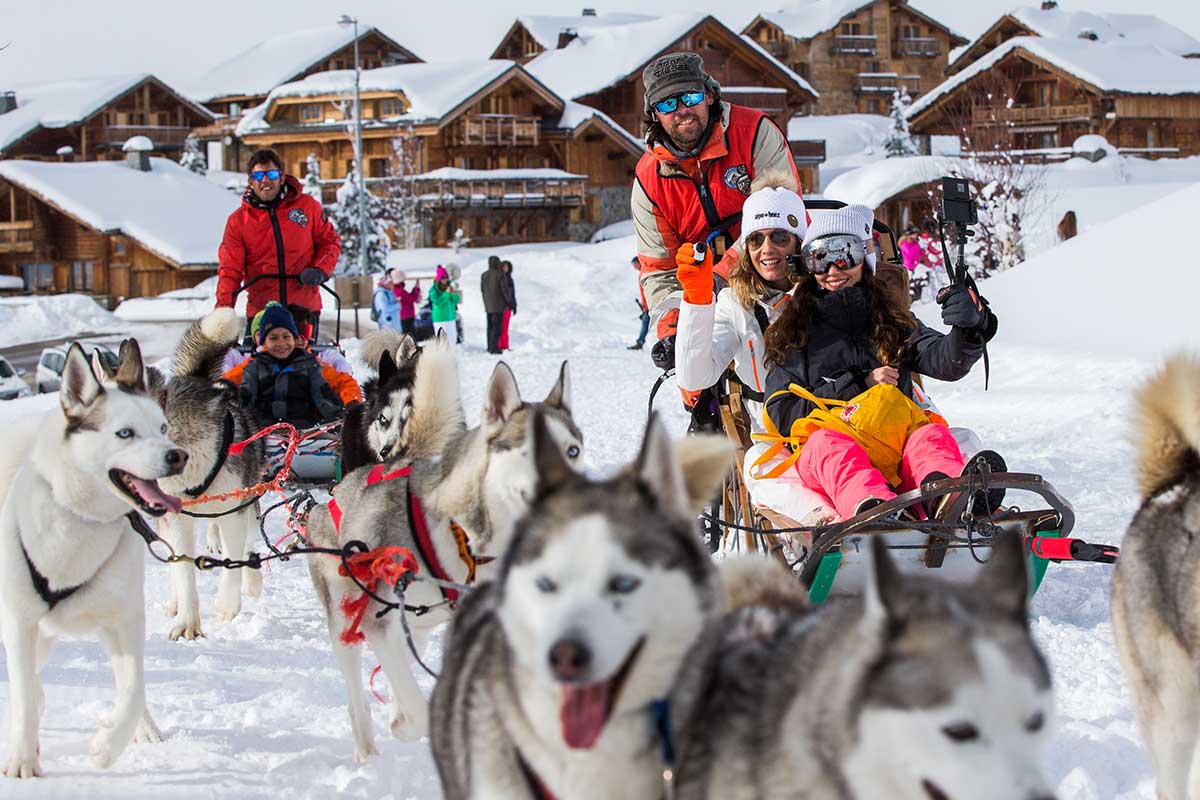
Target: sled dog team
601 652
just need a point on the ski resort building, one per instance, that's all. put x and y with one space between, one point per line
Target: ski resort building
91 119
112 229
482 145
856 53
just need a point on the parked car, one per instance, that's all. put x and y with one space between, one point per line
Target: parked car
53 359
12 384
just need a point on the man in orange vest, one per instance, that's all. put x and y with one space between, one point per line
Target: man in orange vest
701 156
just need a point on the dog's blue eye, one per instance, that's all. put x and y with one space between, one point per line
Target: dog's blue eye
546 585
623 584
163 430
961 732
1036 722
382 420
573 452
125 433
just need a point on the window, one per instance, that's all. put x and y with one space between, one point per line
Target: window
118 247
390 107
235 109
851 29
1050 139
310 112
1151 137
910 31
81 276
377 167
872 106
338 64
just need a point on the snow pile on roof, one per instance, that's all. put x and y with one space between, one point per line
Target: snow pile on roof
169 209
433 90
59 104
531 174
874 183
575 114
259 69
39 318
176 305
1117 68
808 18
138 144
852 141
1128 28
545 29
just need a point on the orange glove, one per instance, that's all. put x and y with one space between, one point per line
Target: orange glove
696 279
667 324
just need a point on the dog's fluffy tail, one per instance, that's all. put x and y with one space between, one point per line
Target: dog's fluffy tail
201 351
437 414
757 581
1168 425
376 343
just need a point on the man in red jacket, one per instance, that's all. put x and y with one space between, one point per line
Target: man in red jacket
277 231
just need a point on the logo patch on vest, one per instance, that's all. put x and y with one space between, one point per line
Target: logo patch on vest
299 217
737 178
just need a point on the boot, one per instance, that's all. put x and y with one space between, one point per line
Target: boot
935 507
635 346
986 502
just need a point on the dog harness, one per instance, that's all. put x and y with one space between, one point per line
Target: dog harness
41 584
426 552
222 454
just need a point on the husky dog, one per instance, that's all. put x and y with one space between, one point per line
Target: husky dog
556 675
1155 590
204 417
480 480
69 561
919 690
376 428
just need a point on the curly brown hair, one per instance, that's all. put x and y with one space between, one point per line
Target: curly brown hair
892 323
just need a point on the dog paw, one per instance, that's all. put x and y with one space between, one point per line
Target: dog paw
229 604
22 765
409 727
253 583
147 732
186 630
103 754
364 751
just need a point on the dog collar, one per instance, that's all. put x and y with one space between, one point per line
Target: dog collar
222 454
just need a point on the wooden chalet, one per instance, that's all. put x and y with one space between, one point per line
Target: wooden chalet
1035 94
489 148
530 36
856 54
91 119
110 229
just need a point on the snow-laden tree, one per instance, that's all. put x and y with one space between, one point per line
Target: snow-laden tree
312 176
899 142
403 198
192 157
459 241
344 215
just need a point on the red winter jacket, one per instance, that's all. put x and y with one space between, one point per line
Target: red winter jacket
256 234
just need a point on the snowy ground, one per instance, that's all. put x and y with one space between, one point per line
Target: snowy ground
257 709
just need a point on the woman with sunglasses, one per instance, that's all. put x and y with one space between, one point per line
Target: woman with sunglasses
841 333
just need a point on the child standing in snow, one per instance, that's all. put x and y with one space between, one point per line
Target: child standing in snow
444 299
387 306
408 300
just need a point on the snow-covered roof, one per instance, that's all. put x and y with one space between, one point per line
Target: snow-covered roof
259 69
433 89
1129 28
600 57
1110 67
64 103
874 183
576 114
545 29
805 19
531 174
170 210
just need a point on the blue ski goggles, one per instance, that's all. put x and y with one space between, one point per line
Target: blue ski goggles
669 105
270 174
844 251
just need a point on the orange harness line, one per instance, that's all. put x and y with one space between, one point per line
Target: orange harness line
388 564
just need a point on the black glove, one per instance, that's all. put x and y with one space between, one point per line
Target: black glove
663 353
311 276
963 307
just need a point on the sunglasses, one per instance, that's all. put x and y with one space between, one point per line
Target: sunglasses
844 251
670 104
271 174
758 238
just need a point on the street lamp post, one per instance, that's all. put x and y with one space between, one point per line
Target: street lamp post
344 20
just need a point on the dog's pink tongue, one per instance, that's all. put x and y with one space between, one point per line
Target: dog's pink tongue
150 492
583 713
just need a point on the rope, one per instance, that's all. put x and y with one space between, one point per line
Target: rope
669 373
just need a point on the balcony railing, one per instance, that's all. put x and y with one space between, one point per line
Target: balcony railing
495 129
501 193
808 151
776 47
886 83
16 237
863 44
1024 115
160 135
919 47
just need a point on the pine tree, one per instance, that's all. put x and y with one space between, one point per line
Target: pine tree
312 177
344 215
192 158
899 142
404 203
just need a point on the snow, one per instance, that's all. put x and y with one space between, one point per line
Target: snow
279 59
10 282
545 29
1110 67
530 174
577 114
138 144
59 104
168 209
808 18
613 231
1129 28
179 305
39 318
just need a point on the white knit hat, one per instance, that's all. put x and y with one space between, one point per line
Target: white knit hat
855 219
773 209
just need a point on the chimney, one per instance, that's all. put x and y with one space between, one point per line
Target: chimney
589 12
566 36
137 153
8 102
1049 5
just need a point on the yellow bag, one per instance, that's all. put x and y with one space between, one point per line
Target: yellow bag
880 419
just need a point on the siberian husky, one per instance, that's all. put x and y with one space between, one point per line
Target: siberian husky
1156 587
204 417
557 675
919 690
479 480
376 428
70 562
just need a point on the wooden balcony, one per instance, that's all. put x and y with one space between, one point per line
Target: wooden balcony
886 83
982 116
163 136
919 47
808 151
16 237
495 129
501 193
860 44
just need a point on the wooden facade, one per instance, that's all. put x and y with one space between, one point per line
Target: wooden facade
151 109
1051 108
54 252
519 44
855 66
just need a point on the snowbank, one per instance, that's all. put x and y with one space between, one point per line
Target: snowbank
614 231
175 306
38 318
